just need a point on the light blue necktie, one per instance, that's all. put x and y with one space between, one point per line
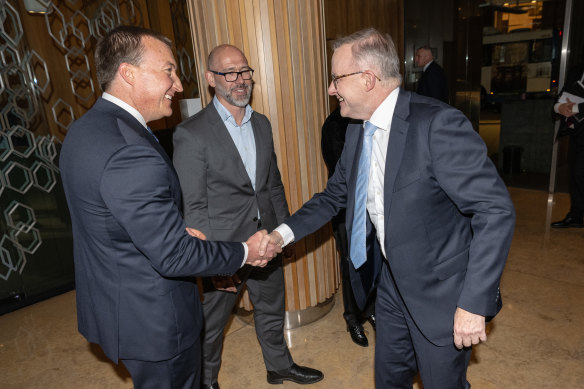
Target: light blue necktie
358 247
152 133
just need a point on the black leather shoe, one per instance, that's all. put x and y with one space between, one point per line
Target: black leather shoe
358 335
298 374
569 222
371 319
213 386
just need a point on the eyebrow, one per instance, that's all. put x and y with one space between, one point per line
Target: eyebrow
234 69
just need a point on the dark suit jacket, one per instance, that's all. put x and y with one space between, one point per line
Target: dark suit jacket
218 196
433 83
448 216
130 246
332 142
577 121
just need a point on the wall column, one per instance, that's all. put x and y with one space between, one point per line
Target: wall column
284 43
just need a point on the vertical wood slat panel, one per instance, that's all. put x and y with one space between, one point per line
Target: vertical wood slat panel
283 41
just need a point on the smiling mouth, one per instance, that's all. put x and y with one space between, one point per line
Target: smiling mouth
169 97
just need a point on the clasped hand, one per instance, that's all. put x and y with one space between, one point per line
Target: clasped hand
565 109
262 247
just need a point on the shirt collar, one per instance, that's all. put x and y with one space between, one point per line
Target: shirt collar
227 116
381 117
126 107
426 65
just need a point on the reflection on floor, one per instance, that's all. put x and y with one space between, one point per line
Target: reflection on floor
536 341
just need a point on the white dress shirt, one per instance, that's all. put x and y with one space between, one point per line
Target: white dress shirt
381 118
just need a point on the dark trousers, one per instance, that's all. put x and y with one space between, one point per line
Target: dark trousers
352 314
181 372
576 155
401 350
266 292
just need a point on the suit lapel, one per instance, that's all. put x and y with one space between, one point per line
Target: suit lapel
395 150
255 125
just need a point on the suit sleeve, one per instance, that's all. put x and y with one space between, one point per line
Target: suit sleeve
469 178
136 187
191 167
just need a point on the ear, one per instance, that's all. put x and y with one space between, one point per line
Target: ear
370 80
210 79
127 72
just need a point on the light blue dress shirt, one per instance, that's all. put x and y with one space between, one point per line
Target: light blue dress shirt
242 137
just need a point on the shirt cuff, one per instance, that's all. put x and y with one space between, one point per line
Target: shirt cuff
245 249
557 107
286 232
575 108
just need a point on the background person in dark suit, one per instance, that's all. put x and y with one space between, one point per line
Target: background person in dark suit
432 226
225 159
133 257
433 81
332 142
572 116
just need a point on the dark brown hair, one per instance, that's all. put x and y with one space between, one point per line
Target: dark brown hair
122 44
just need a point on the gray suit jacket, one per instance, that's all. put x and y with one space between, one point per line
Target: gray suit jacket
448 216
133 257
218 196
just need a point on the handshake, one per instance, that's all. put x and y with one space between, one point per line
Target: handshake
261 246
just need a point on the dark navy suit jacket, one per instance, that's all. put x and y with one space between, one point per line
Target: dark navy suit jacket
433 83
133 257
448 216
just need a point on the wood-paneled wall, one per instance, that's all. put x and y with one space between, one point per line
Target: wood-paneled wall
284 43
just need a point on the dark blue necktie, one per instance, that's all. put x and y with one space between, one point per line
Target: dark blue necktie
358 248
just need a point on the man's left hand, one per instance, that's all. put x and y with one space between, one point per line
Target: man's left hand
469 328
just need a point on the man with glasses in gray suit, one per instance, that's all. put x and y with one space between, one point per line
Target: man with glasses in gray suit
225 159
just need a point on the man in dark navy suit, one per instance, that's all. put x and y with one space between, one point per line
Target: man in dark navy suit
572 124
429 220
134 260
433 81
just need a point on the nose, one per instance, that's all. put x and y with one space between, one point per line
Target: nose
332 89
177 84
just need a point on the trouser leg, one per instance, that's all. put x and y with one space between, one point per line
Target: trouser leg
266 291
181 372
217 307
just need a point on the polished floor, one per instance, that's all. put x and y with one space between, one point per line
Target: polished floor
537 341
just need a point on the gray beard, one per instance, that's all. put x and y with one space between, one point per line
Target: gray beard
226 94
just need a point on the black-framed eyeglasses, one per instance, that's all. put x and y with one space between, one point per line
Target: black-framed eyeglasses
233 76
335 79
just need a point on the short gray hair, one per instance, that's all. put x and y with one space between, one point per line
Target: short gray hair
371 47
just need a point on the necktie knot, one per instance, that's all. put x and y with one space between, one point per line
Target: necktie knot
370 129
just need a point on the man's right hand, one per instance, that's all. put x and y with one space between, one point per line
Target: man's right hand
271 242
256 256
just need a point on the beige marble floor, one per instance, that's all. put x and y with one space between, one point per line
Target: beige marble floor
537 341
